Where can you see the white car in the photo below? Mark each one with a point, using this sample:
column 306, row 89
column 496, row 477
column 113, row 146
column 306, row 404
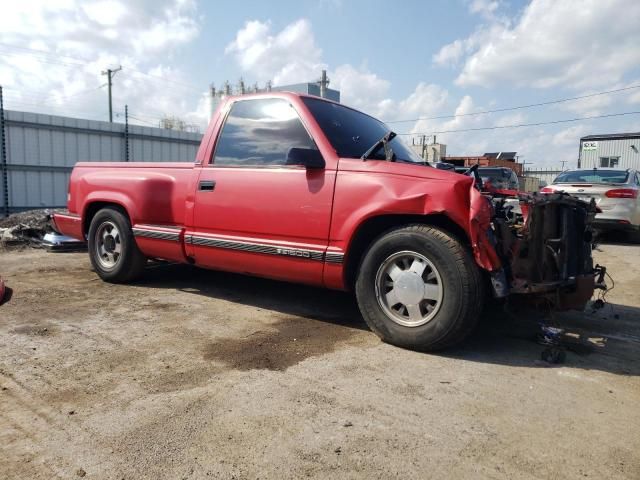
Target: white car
column 615, row 191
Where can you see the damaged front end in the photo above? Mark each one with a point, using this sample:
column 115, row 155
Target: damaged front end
column 544, row 243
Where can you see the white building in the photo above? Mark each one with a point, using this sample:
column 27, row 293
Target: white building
column 619, row 150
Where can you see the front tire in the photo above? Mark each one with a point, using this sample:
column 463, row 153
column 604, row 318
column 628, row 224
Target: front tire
column 418, row 287
column 113, row 251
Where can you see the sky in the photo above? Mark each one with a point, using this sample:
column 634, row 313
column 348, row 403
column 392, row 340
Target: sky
column 404, row 62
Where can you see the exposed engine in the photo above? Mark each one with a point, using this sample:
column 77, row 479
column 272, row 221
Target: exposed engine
column 545, row 244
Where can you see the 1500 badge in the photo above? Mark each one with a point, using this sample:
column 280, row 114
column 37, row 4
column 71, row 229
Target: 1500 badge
column 293, row 253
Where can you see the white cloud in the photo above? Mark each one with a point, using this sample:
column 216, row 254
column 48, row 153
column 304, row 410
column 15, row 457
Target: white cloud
column 68, row 43
column 486, row 8
column 588, row 106
column 292, row 56
column 450, row 54
column 107, row 12
column 289, row 56
column 577, row 43
column 634, row 98
column 361, row 89
column 568, row 136
column 511, row 119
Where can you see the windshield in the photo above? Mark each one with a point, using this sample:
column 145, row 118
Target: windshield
column 352, row 133
column 593, row 176
column 500, row 177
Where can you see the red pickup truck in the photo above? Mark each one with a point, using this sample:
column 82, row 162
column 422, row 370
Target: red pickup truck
column 301, row 189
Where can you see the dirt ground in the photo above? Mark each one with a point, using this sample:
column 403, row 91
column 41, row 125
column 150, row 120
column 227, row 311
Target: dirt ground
column 198, row 374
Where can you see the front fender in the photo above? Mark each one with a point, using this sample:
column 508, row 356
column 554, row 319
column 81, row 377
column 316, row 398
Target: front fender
column 480, row 213
column 361, row 196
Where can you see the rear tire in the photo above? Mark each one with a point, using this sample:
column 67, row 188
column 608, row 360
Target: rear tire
column 113, row 251
column 416, row 260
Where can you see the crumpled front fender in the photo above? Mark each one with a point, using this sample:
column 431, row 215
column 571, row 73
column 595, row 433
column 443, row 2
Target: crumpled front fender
column 480, row 233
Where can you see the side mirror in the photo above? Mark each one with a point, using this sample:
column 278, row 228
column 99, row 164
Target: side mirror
column 310, row 158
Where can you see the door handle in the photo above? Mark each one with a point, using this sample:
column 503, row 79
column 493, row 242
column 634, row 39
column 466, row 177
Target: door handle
column 207, row 185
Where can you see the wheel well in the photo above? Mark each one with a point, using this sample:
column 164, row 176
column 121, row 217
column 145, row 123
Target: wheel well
column 94, row 208
column 372, row 228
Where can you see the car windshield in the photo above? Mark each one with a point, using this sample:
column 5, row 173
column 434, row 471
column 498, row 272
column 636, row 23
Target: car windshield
column 352, row 133
column 593, row 176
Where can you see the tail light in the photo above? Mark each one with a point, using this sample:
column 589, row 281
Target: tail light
column 546, row 190
column 622, row 193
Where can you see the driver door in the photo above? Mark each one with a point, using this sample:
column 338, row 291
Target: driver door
column 255, row 212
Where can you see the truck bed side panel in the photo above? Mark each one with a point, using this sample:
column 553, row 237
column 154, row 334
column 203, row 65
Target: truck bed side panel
column 156, row 197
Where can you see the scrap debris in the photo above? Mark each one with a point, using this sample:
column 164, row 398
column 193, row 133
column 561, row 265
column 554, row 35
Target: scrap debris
column 33, row 228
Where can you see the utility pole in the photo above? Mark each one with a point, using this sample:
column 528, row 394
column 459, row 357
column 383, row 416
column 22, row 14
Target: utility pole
column 110, row 73
column 563, row 162
column 518, row 157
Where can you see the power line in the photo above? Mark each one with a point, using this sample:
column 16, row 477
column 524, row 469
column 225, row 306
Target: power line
column 45, row 52
column 143, row 121
column 43, row 60
column 551, row 122
column 507, row 109
column 52, row 98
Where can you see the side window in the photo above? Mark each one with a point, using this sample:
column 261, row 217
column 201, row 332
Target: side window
column 260, row 132
column 609, row 162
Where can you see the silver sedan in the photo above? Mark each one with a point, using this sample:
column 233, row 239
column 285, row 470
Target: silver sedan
column 615, row 191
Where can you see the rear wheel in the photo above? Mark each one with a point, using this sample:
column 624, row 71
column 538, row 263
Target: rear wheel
column 114, row 254
column 419, row 288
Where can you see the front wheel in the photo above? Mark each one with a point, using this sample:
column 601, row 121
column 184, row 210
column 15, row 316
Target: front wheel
column 418, row 287
column 113, row 251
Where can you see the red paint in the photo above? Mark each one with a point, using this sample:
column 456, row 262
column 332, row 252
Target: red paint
column 282, row 207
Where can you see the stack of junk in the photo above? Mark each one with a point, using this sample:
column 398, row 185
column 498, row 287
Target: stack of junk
column 33, row 228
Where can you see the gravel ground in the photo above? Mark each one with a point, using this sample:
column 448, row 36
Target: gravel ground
column 197, row 374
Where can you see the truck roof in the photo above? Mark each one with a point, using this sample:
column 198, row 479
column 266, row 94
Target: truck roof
column 280, row 94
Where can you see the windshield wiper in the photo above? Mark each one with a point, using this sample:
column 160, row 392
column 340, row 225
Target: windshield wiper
column 384, row 141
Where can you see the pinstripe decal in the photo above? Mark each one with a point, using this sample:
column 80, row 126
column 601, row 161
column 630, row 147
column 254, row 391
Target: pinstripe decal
column 140, row 231
column 334, row 257
column 286, row 251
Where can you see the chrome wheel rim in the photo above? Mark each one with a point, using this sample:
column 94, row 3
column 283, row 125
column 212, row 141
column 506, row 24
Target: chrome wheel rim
column 409, row 288
column 108, row 245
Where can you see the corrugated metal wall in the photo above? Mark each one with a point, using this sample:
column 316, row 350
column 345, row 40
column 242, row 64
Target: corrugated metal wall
column 629, row 157
column 543, row 174
column 42, row 149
